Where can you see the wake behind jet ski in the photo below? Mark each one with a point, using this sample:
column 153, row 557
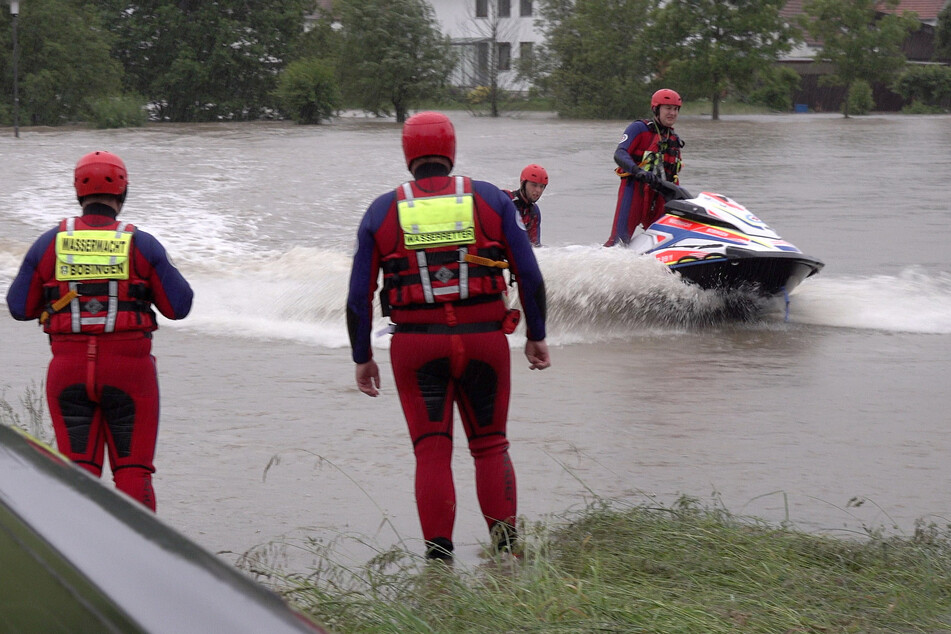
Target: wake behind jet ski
column 717, row 243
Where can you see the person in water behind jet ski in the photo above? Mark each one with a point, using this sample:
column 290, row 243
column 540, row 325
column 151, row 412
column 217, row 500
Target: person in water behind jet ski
column 533, row 181
column 648, row 153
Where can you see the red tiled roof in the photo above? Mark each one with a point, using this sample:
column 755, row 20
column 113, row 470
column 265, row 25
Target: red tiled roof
column 927, row 10
column 793, row 7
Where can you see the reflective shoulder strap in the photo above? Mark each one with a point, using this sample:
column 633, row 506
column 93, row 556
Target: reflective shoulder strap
column 70, row 228
column 424, row 276
column 463, row 273
column 120, row 229
column 113, row 309
column 75, row 309
column 408, row 194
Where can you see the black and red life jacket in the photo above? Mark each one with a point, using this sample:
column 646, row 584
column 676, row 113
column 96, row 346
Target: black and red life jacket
column 416, row 274
column 96, row 288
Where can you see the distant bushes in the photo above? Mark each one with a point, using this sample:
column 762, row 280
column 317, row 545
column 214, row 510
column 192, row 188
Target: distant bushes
column 774, row 89
column 927, row 87
column 122, row 111
column 307, row 91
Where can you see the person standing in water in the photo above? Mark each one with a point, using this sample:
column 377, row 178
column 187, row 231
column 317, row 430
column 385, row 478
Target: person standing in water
column 92, row 281
column 443, row 243
column 648, row 153
column 533, row 181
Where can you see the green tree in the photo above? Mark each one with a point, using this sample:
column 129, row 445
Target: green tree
column 942, row 35
column 64, row 61
column 393, row 53
column 714, row 47
column 307, row 90
column 320, row 39
column 198, row 61
column 858, row 40
column 600, row 59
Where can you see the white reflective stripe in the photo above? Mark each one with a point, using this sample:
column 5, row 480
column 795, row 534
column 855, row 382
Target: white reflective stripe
column 424, row 277
column 460, row 189
column 408, row 193
column 113, row 306
column 119, row 231
column 77, row 321
column 446, row 290
column 70, row 228
column 463, row 273
column 74, row 313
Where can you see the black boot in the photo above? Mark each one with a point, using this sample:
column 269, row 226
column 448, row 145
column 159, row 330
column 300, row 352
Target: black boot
column 439, row 548
column 504, row 538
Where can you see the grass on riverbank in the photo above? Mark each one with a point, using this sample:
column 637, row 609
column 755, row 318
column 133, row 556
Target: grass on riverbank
column 31, row 416
column 666, row 570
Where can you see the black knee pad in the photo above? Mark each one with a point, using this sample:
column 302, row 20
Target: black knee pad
column 77, row 411
column 479, row 383
column 118, row 409
column 433, row 379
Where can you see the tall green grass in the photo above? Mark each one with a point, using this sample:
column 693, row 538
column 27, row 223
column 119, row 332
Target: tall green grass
column 686, row 568
column 31, row 415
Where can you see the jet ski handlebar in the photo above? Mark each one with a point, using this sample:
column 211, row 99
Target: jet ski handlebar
column 671, row 191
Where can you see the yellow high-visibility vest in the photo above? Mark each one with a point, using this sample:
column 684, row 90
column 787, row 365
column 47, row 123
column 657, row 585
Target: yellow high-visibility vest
column 93, row 255
column 437, row 221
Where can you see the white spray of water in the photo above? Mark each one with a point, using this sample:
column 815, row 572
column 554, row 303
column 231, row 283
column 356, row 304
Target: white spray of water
column 594, row 294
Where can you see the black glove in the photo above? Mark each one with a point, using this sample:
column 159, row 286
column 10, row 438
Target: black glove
column 648, row 178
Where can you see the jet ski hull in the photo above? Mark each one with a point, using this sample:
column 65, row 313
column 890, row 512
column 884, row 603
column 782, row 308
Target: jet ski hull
column 716, row 243
column 764, row 274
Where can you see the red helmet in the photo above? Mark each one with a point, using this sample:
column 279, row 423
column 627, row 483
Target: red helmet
column 665, row 96
column 535, row 174
column 100, row 173
column 429, row 134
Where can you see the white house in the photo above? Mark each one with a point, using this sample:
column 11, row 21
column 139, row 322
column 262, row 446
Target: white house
column 491, row 35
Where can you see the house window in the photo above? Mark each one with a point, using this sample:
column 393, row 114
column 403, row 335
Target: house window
column 482, row 62
column 525, row 50
column 482, row 8
column 526, row 8
column 526, row 60
column 505, row 8
column 505, row 55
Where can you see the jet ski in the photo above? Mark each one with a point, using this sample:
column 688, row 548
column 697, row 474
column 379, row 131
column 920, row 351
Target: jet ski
column 713, row 241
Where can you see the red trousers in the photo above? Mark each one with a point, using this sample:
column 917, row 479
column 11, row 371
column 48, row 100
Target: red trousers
column 433, row 373
column 637, row 204
column 103, row 392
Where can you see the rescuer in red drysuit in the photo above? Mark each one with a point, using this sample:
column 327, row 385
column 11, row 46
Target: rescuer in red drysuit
column 442, row 243
column 649, row 152
column 92, row 281
column 533, row 181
